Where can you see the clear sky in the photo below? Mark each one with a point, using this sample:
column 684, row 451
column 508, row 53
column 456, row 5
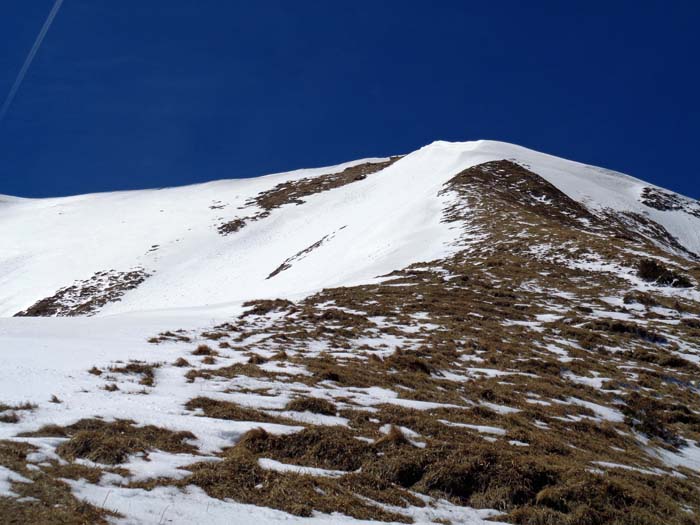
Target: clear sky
column 150, row 93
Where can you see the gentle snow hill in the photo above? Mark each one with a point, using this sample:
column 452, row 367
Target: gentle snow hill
column 354, row 233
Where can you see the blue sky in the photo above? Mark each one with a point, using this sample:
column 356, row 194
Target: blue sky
column 136, row 94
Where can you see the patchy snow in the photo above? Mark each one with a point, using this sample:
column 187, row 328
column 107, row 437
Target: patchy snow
column 603, row 412
column 606, row 464
column 501, row 409
column 548, row 318
column 193, row 505
column 161, row 464
column 444, row 511
column 311, row 418
column 687, row 456
column 7, row 476
column 374, row 395
column 479, row 428
column 271, row 464
column 595, row 382
column 199, row 278
column 412, row 436
column 563, row 354
column 488, row 372
column 41, row 357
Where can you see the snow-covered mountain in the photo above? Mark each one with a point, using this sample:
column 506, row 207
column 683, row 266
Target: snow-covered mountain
column 472, row 331
column 368, row 228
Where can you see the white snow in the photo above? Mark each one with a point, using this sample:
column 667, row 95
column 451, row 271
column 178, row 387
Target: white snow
column 7, row 476
column 390, row 221
column 412, row 436
column 271, row 464
column 501, row 409
column 603, row 412
column 170, row 505
column 41, row 357
column 595, row 382
column 607, row 464
column 687, row 456
column 479, row 428
column 162, row 465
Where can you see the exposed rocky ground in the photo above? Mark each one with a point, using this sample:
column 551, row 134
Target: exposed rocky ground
column 293, row 192
column 666, row 201
column 88, row 296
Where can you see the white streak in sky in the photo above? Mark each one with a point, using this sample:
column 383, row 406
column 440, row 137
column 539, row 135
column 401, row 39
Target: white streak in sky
column 29, row 59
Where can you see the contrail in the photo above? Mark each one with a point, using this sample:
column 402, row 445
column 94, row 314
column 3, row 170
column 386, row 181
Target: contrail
column 30, row 58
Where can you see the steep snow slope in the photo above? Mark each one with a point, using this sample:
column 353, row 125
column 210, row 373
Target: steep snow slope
column 378, row 225
column 368, row 228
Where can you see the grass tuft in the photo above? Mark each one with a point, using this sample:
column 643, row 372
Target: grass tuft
column 312, row 404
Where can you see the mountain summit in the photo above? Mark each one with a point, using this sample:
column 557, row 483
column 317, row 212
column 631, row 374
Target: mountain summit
column 470, row 333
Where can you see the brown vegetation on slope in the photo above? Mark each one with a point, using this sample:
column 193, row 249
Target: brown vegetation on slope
column 293, row 192
column 530, row 373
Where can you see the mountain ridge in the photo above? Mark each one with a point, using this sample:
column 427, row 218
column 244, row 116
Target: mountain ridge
column 162, row 220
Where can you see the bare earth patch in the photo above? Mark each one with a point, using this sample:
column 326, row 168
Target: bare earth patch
column 88, row 296
column 293, row 192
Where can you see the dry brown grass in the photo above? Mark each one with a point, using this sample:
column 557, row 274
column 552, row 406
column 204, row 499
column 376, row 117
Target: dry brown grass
column 240, row 477
column 113, row 442
column 50, row 502
column 9, row 417
column 655, row 272
column 170, row 336
column 181, row 362
column 394, row 437
column 231, row 226
column 88, row 296
column 141, row 368
column 214, row 336
column 230, row 372
column 323, row 447
column 481, row 302
column 530, row 485
column 228, row 410
column 8, row 413
column 265, row 306
column 312, row 404
column 205, row 350
column 256, row 359
column 18, row 407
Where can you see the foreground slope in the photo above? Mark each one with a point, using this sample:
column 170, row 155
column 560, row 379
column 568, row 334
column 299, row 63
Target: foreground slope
column 469, row 332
